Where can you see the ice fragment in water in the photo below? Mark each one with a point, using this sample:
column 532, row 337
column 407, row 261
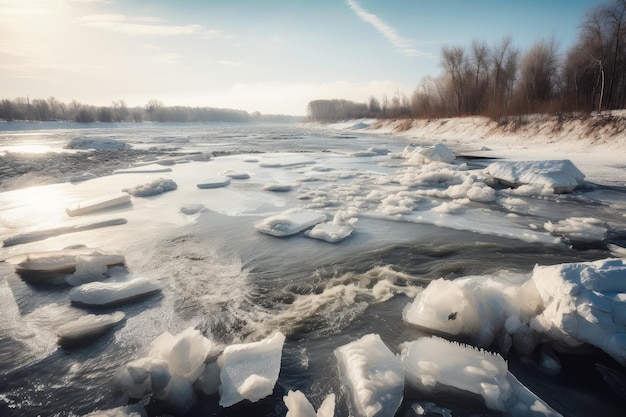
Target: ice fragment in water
column 112, row 293
column 432, row 363
column 289, row 222
column 249, row 371
column 87, row 328
column 373, row 376
column 299, row 406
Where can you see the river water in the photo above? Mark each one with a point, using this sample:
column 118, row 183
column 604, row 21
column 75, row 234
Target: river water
column 217, row 273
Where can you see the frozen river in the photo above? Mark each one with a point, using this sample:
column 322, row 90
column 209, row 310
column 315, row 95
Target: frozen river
column 414, row 220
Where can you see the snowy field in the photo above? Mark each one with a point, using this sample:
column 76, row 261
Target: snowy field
column 297, row 270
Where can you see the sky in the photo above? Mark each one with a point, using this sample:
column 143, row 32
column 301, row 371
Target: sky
column 256, row 55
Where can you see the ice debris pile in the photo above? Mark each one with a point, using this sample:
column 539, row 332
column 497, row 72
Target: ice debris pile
column 177, row 367
column 97, row 279
column 566, row 305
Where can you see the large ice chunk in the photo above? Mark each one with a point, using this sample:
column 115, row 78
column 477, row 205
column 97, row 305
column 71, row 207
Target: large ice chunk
column 373, row 376
column 99, row 203
column 567, row 305
column 87, row 328
column 438, row 152
column 112, row 293
column 487, row 309
column 579, row 229
column 584, row 302
column 249, row 371
column 560, row 175
column 299, row 406
column 432, row 363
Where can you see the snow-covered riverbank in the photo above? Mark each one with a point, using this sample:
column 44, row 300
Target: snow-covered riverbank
column 596, row 144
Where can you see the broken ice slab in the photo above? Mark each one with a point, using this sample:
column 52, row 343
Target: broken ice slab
column 154, row 187
column 86, row 329
column 112, row 293
column 373, row 376
column 57, row 231
column 250, row 370
column 289, row 222
column 236, row 175
column 432, row 364
column 214, row 182
column 298, row 405
column 99, row 203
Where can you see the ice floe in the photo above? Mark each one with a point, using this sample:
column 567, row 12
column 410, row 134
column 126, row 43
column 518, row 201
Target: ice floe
column 57, row 231
column 289, row 222
column 154, row 187
column 51, row 266
column 236, row 175
column 87, row 328
column 112, row 293
column 434, row 364
column 340, row 228
column 578, row 229
column 372, row 375
column 214, row 182
column 249, row 371
column 559, row 175
column 96, row 204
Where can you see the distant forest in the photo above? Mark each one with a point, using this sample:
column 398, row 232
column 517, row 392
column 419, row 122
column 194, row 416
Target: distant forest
column 500, row 80
column 52, row 109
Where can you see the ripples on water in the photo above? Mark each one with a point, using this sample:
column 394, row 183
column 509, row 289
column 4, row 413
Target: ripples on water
column 237, row 285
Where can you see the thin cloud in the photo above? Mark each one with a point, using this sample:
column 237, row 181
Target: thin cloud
column 147, row 26
column 230, row 63
column 399, row 43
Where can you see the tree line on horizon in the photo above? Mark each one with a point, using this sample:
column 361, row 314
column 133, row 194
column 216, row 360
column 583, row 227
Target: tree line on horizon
column 51, row 109
column 500, row 80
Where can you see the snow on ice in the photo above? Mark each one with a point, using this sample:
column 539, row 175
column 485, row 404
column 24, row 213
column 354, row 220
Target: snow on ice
column 373, row 376
column 432, row 363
